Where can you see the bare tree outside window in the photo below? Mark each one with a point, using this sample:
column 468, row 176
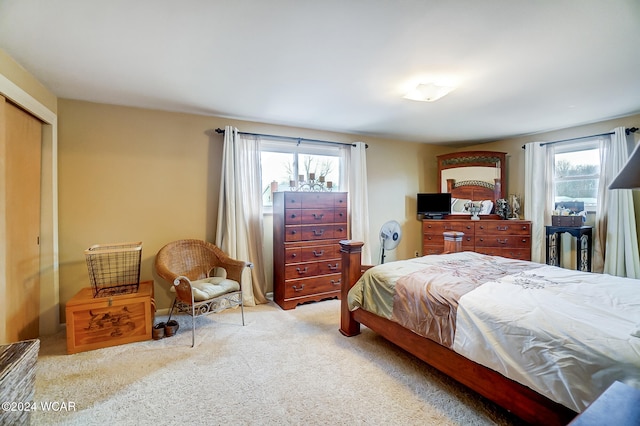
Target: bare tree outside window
column 577, row 175
column 284, row 171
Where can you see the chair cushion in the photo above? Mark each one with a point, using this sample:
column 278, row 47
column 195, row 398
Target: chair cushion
column 208, row 288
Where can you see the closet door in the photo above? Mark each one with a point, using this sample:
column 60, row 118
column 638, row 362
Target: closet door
column 22, row 157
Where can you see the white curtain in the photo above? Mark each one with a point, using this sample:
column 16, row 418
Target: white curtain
column 537, row 195
column 616, row 238
column 358, row 198
column 239, row 228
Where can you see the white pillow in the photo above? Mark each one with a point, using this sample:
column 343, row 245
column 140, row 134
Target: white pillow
column 219, row 271
column 457, row 205
column 209, row 288
column 487, row 205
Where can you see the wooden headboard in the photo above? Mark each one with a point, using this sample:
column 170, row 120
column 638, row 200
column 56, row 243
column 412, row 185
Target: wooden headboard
column 475, row 190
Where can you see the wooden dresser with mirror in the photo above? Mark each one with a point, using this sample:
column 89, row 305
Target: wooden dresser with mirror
column 477, row 176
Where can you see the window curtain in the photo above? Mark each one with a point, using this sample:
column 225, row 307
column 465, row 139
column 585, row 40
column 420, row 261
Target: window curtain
column 358, row 198
column 537, row 195
column 239, row 228
column 616, row 241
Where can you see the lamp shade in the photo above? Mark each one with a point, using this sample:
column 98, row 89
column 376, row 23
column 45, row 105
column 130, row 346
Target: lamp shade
column 629, row 176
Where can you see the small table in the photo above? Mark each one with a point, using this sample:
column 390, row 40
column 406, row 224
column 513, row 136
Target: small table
column 584, row 238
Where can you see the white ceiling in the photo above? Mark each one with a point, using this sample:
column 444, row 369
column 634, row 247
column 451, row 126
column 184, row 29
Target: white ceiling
column 523, row 66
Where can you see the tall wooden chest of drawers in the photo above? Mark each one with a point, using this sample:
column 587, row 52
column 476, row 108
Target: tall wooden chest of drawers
column 307, row 228
column 506, row 238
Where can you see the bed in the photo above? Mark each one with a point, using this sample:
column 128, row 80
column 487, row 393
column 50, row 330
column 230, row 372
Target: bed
column 520, row 352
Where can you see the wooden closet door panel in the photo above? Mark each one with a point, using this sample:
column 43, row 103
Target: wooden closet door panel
column 23, row 169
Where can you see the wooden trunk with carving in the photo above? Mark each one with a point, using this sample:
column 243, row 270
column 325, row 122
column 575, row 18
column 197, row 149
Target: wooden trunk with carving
column 307, row 228
column 100, row 322
column 506, row 238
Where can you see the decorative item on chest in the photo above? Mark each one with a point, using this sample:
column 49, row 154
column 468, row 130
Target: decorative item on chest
column 474, row 208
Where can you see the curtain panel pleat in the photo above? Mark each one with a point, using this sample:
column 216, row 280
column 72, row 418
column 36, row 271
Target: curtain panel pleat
column 240, row 227
column 617, row 227
column 358, row 198
column 537, row 196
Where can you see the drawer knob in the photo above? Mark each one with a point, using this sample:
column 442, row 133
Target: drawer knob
column 318, row 216
column 294, row 232
column 296, row 288
column 333, row 267
column 302, row 271
column 294, row 254
column 318, row 233
column 502, row 228
column 316, row 254
column 335, row 282
column 505, row 241
column 293, row 216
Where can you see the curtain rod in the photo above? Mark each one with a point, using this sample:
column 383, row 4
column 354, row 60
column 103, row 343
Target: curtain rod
column 627, row 131
column 290, row 138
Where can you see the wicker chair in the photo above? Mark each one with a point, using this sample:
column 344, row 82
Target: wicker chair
column 194, row 267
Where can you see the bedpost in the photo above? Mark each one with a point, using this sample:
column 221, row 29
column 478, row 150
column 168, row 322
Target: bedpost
column 351, row 252
column 450, row 185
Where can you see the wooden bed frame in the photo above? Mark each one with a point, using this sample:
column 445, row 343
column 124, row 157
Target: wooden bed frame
column 522, row 401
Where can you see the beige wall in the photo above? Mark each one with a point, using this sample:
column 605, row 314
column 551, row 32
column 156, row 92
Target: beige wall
column 128, row 174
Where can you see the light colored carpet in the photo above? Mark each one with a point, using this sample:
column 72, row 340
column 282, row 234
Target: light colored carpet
column 283, row 368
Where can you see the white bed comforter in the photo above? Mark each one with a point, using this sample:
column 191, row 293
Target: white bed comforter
column 566, row 334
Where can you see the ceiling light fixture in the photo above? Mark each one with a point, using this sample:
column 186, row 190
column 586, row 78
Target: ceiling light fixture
column 428, row 92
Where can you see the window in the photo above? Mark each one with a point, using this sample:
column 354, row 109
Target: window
column 288, row 165
column 577, row 174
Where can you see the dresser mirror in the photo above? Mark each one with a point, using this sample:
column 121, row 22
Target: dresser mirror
column 475, row 176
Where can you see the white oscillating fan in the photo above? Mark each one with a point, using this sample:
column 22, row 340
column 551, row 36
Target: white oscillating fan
column 390, row 235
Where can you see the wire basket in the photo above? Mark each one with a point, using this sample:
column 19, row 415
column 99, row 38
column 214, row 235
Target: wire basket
column 114, row 268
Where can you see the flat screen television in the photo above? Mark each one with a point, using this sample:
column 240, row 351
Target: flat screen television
column 434, row 205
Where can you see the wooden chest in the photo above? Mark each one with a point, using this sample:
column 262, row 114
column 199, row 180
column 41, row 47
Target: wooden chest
column 307, row 227
column 100, row 322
